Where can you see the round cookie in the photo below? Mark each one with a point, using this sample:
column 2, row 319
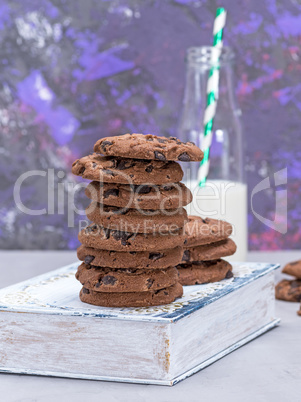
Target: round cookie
column 204, row 272
column 127, row 171
column 132, row 299
column 101, row 238
column 132, row 220
column 293, row 268
column 289, row 290
column 168, row 196
column 149, row 146
column 201, row 231
column 134, row 259
column 125, row 280
column 208, row 252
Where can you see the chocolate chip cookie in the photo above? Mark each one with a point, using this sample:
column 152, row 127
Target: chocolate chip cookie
column 140, row 146
column 289, row 290
column 101, row 238
column 293, row 268
column 125, row 280
column 201, row 231
column 204, row 272
column 134, row 259
column 133, row 220
column 207, row 252
column 166, row 196
column 127, row 171
column 132, row 299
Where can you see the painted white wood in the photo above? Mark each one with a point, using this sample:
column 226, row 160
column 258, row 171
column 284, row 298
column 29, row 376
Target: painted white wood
column 45, row 329
column 174, row 381
column 84, row 346
column 225, row 352
column 220, row 325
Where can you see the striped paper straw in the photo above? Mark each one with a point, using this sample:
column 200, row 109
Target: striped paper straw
column 212, row 93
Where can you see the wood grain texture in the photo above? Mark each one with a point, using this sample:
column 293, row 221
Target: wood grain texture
column 84, row 346
column 200, row 336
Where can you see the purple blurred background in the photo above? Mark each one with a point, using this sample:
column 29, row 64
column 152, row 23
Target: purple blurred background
column 73, row 71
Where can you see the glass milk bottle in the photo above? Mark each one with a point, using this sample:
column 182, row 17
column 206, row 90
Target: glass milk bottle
column 225, row 194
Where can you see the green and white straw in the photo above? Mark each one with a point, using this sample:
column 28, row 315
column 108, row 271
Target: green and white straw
column 212, row 92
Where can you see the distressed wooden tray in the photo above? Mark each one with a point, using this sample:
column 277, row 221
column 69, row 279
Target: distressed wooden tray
column 46, row 330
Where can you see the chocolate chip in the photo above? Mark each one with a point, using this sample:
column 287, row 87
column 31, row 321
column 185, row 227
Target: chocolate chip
column 150, row 139
column 109, row 280
column 123, row 237
column 94, row 165
column 176, row 140
column 155, row 256
column 167, row 188
column 89, row 259
column 90, row 229
column 125, row 242
column 81, row 170
column 104, row 144
column 149, row 283
column 109, row 172
column 186, row 255
column 159, row 156
column 166, row 293
column 106, row 232
column 133, row 252
column 149, row 168
column 143, row 189
column 161, row 140
column 86, row 291
column 122, row 164
column 184, row 157
column 229, row 275
column 112, row 191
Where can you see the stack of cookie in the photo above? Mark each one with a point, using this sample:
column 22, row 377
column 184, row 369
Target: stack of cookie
column 290, row 289
column 136, row 238
column 207, row 242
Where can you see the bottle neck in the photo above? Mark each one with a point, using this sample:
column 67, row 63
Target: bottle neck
column 226, row 152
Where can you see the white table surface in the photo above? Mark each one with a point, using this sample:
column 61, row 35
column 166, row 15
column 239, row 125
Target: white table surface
column 266, row 369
